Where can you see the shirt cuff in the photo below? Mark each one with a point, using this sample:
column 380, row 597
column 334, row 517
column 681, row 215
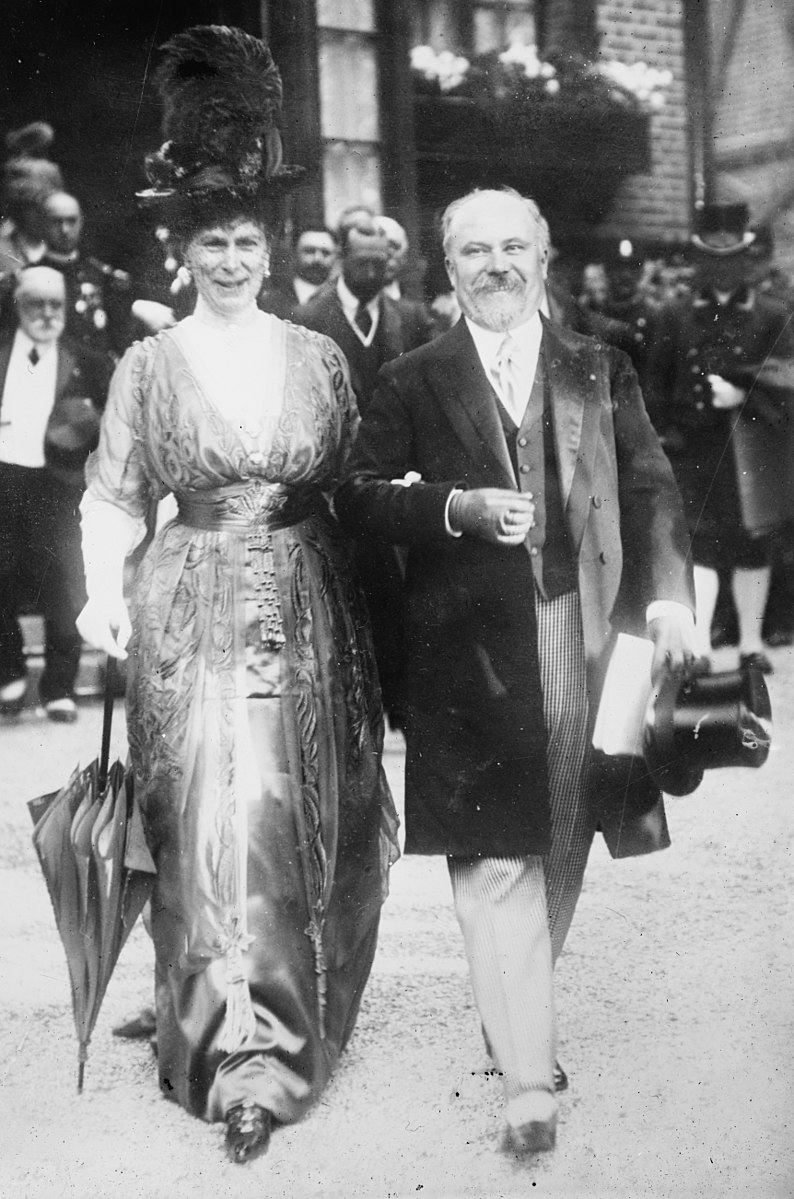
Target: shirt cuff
column 452, row 532
column 662, row 608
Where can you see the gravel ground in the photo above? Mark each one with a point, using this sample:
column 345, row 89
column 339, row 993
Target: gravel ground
column 675, row 1005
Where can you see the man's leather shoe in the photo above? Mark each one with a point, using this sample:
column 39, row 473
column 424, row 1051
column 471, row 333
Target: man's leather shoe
column 779, row 637
column 758, row 659
column 248, row 1128
column 560, row 1078
column 531, row 1123
column 139, row 1027
column 64, row 710
column 12, row 696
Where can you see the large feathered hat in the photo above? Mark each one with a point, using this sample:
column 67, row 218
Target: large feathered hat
column 221, row 94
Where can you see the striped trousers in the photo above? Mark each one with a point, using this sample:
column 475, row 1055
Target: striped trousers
column 515, row 913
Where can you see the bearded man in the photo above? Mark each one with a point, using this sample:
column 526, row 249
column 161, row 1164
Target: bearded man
column 545, row 518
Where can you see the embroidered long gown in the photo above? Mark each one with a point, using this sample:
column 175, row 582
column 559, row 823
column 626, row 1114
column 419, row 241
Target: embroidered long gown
column 253, row 709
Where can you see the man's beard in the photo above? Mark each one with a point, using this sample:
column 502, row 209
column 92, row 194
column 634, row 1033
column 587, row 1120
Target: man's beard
column 315, row 273
column 499, row 307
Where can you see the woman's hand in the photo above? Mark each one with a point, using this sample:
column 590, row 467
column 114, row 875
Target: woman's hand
column 495, row 514
column 105, row 624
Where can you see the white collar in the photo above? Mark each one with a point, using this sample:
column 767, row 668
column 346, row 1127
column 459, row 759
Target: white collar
column 64, row 259
column 304, row 290
column 488, row 341
column 24, row 344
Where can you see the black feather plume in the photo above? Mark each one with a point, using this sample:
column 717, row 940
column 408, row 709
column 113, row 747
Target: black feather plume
column 221, row 94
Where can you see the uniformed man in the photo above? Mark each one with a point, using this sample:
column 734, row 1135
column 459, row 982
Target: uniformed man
column 718, row 388
column 626, row 316
column 98, row 297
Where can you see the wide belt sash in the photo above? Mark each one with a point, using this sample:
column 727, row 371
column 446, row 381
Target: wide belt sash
column 249, row 505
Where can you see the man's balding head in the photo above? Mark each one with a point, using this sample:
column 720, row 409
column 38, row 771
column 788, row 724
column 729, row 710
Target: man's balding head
column 397, row 240
column 365, row 255
column 63, row 222
column 40, row 298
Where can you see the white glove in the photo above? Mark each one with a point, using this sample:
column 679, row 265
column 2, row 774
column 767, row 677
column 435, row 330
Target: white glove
column 725, row 395
column 105, row 624
column 109, row 534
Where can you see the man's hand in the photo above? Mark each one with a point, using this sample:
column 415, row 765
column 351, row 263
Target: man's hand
column 105, row 625
column 723, row 394
column 500, row 516
column 674, row 646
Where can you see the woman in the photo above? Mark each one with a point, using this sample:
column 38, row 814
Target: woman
column 253, row 711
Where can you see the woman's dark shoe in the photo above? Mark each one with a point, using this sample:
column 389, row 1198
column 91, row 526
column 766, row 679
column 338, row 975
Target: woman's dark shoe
column 138, row 1027
column 248, row 1128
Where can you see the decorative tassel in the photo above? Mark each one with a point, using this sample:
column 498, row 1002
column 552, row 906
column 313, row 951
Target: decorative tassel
column 315, row 934
column 239, row 1023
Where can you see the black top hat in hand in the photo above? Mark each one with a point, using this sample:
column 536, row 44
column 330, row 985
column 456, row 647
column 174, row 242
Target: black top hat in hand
column 700, row 721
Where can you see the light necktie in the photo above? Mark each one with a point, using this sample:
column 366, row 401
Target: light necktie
column 363, row 319
column 505, row 374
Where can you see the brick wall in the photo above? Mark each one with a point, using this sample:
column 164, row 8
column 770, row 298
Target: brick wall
column 754, row 114
column 653, row 207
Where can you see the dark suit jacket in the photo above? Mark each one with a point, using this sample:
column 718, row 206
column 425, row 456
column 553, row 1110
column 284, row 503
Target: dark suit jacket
column 81, row 386
column 476, row 777
column 401, row 329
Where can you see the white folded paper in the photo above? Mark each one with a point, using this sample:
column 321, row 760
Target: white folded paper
column 624, row 700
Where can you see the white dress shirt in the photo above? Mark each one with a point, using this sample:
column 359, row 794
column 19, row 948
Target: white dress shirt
column 525, row 339
column 28, row 401
column 350, row 305
column 303, row 289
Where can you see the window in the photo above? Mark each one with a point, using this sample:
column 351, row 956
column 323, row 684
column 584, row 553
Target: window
column 475, row 26
column 499, row 23
column 348, row 104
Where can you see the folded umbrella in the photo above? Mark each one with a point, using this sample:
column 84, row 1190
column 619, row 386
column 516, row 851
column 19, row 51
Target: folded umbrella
column 97, row 871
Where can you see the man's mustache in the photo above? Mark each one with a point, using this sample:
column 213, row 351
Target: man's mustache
column 496, row 283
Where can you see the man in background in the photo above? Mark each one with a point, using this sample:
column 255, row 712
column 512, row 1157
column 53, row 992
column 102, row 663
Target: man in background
column 370, row 328
column 52, row 392
column 313, row 260
column 412, row 311
column 98, row 299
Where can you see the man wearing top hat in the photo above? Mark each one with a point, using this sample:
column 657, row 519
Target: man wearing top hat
column 719, row 386
column 51, row 394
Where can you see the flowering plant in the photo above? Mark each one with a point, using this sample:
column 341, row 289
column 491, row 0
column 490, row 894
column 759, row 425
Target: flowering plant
column 518, row 74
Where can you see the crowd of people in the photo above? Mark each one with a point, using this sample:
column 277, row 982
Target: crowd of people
column 440, row 510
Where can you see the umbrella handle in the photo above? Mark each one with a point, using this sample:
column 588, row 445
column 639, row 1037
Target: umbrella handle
column 107, row 721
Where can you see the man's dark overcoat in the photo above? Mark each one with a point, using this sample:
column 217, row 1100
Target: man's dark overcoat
column 476, row 774
column 402, row 327
column 733, row 466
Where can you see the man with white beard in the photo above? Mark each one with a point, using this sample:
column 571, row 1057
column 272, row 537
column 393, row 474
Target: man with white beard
column 516, row 462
